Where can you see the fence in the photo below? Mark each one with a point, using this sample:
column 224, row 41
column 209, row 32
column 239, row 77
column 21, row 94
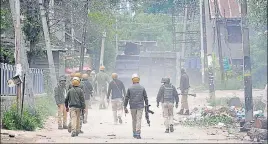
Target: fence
column 9, row 71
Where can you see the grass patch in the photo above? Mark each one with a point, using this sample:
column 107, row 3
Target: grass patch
column 29, row 121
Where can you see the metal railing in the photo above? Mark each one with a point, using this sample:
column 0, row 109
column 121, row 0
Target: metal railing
column 8, row 71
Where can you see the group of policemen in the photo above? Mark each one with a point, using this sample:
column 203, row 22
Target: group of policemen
column 76, row 99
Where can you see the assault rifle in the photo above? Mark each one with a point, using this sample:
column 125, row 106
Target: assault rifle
column 147, row 111
column 194, row 95
column 83, row 116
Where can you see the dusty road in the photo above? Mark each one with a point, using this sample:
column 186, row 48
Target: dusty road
column 100, row 128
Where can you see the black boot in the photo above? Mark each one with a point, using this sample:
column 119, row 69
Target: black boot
column 187, row 112
column 138, row 136
column 167, row 131
column 171, row 128
column 180, row 112
column 120, row 120
column 134, row 134
column 74, row 134
column 60, row 127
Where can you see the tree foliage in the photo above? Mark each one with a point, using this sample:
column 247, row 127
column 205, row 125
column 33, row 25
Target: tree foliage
column 258, row 41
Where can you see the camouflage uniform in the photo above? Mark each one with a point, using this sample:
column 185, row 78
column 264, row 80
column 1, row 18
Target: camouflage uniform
column 102, row 80
column 136, row 96
column 167, row 95
column 118, row 89
column 76, row 101
column 60, row 94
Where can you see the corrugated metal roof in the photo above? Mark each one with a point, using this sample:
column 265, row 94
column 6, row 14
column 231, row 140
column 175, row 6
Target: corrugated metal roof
column 227, row 8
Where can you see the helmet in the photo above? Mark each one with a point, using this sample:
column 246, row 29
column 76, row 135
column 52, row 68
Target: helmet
column 102, row 67
column 135, row 78
column 77, row 75
column 165, row 80
column 62, row 78
column 183, row 70
column 114, row 75
column 72, row 74
column 85, row 76
column 92, row 73
column 76, row 81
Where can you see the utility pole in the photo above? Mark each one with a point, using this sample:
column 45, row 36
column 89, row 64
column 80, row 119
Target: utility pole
column 246, row 64
column 116, row 36
column 84, row 40
column 102, row 48
column 218, row 34
column 17, row 47
column 183, row 45
column 48, row 47
column 203, row 42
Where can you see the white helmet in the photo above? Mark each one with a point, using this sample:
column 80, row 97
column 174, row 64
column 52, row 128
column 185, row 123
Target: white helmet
column 135, row 76
column 76, row 78
column 92, row 73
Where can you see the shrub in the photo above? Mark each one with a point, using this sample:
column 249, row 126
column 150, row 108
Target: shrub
column 27, row 121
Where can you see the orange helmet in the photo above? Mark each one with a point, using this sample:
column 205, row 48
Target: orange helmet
column 85, row 76
column 114, row 75
column 77, row 75
column 76, row 81
column 102, row 67
column 72, row 75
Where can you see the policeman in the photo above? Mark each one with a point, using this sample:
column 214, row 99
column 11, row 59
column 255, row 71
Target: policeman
column 77, row 75
column 92, row 81
column 136, row 96
column 60, row 94
column 118, row 93
column 75, row 102
column 88, row 93
column 167, row 95
column 184, row 87
column 102, row 80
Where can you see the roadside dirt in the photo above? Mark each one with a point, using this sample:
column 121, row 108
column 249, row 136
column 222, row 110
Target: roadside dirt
column 100, row 128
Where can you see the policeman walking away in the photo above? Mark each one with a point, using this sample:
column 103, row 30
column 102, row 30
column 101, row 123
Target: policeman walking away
column 184, row 87
column 136, row 96
column 76, row 102
column 102, row 80
column 118, row 93
column 88, row 94
column 60, row 94
column 167, row 95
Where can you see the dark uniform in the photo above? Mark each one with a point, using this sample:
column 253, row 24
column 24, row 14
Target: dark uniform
column 88, row 88
column 60, row 94
column 76, row 101
column 167, row 95
column 118, row 92
column 136, row 96
column 184, row 87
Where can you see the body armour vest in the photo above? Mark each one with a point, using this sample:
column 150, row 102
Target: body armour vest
column 168, row 93
column 136, row 97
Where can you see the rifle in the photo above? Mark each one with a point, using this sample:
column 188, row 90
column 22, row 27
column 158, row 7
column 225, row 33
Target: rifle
column 147, row 111
column 194, row 95
column 83, row 116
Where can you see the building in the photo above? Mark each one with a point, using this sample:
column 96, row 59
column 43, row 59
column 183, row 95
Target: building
column 229, row 21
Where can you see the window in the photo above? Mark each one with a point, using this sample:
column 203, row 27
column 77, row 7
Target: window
column 234, row 34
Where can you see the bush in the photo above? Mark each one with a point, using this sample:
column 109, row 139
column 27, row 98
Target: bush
column 28, row 121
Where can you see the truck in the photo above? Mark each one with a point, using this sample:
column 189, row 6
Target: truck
column 151, row 65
